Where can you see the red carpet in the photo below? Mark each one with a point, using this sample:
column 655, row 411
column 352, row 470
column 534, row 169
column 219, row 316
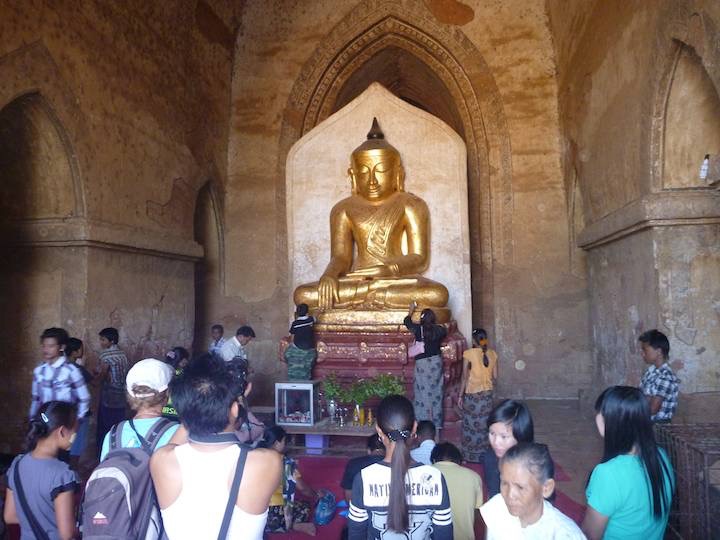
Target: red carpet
column 326, row 472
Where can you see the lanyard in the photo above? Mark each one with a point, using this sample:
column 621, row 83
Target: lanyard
column 214, row 438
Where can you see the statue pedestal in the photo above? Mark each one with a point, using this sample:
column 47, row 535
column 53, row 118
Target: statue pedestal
column 372, row 321
column 360, row 354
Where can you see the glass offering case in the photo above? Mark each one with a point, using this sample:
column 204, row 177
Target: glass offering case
column 297, row 403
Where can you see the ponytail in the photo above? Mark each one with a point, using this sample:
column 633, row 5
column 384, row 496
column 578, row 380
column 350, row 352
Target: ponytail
column 397, row 519
column 396, row 418
column 478, row 335
column 51, row 416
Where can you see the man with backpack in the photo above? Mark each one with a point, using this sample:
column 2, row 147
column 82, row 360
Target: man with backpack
column 192, row 480
column 119, row 499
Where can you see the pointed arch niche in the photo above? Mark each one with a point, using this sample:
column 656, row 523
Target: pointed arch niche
column 433, row 67
column 692, row 120
column 37, row 184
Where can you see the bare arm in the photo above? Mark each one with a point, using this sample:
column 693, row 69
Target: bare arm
column 594, row 524
column 165, row 472
column 655, row 403
column 10, row 513
column 463, row 381
column 65, row 514
column 305, row 488
column 260, row 480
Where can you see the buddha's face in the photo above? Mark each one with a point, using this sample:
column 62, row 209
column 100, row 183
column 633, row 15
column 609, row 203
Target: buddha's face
column 376, row 174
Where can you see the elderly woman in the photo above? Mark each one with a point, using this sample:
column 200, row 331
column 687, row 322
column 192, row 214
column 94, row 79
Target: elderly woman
column 520, row 509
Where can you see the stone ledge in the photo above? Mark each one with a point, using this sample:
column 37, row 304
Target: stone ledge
column 663, row 209
column 59, row 232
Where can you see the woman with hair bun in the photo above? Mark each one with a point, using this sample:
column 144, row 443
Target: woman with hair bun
column 428, row 374
column 630, row 491
column 40, row 496
column 398, row 497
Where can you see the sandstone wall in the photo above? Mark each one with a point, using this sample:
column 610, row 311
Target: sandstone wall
column 533, row 294
column 134, row 97
column 638, row 97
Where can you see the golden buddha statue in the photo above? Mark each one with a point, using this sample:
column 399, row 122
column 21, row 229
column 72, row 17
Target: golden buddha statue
column 388, row 231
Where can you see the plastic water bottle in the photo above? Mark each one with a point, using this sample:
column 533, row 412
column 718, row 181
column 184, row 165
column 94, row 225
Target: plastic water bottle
column 704, row 167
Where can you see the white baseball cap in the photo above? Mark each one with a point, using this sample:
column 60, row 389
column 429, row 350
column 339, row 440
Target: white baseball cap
column 151, row 373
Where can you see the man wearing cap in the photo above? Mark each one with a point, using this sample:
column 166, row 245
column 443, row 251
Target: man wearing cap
column 147, row 393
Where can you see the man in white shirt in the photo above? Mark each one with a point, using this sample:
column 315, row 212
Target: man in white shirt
column 236, row 346
column 426, row 438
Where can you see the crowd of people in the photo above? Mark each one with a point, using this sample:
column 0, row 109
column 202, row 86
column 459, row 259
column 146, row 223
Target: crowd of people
column 216, row 471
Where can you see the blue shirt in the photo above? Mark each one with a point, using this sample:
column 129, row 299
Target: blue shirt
column 421, row 454
column 129, row 439
column 620, row 490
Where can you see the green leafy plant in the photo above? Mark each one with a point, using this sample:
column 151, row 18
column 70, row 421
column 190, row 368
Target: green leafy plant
column 333, row 389
column 364, row 389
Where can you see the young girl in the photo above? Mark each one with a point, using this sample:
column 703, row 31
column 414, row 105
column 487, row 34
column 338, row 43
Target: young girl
column 285, row 513
column 476, row 395
column 428, row 382
column 40, row 496
column 630, row 491
column 74, row 351
column 398, row 497
column 508, row 424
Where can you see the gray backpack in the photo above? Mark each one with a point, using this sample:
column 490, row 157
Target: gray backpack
column 119, row 501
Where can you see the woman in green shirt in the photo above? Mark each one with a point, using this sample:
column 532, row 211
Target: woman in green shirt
column 630, row 491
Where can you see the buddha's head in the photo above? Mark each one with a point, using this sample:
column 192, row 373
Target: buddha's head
column 376, row 171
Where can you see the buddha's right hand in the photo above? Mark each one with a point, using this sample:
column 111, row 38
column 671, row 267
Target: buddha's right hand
column 327, row 292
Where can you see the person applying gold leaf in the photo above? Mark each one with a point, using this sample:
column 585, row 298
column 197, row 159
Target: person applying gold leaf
column 388, row 228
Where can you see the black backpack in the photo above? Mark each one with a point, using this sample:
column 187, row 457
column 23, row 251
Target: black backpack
column 119, row 501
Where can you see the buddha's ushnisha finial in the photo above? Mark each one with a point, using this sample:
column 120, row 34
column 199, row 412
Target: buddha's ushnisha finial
column 375, row 140
column 375, row 131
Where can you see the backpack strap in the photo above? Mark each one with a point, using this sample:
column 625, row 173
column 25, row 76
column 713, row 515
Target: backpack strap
column 115, row 436
column 38, row 531
column 158, row 429
column 233, row 493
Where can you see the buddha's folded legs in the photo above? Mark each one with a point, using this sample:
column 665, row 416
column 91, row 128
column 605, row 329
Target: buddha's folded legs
column 379, row 293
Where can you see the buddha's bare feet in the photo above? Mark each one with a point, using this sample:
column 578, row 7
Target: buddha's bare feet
column 307, row 528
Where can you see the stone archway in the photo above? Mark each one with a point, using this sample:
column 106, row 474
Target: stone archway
column 374, row 27
column 37, row 185
column 31, row 70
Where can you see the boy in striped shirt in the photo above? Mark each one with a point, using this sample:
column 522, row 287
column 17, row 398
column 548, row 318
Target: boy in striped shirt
column 56, row 379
